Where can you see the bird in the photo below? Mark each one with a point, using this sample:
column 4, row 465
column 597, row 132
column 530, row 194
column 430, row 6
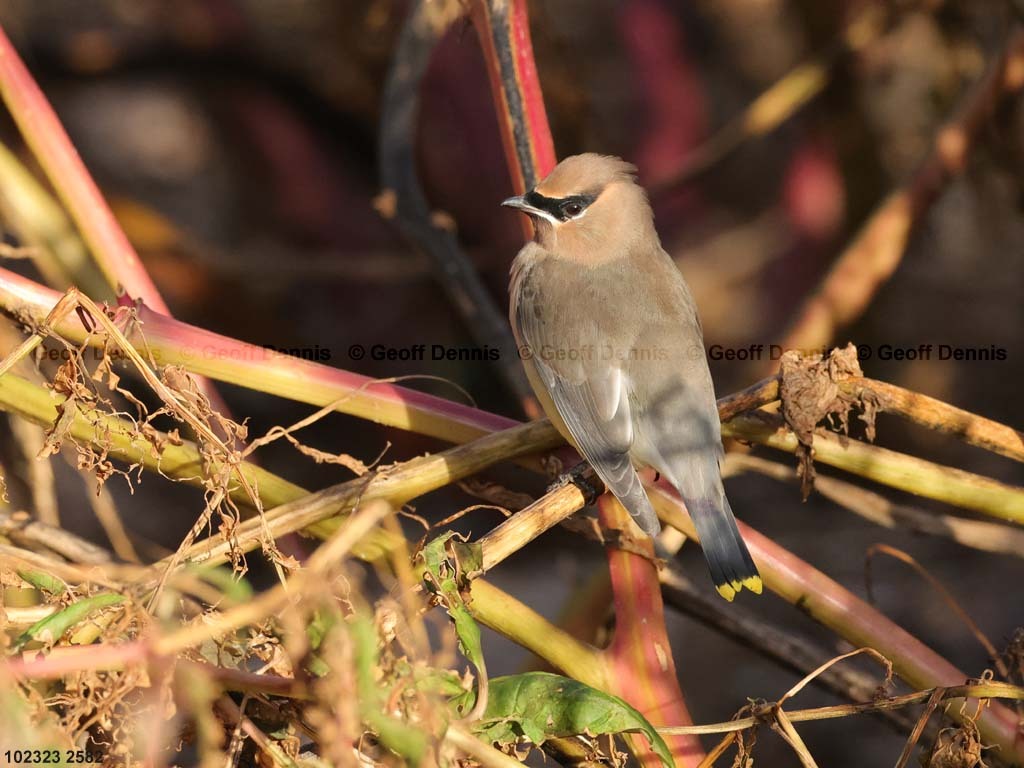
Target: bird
column 613, row 347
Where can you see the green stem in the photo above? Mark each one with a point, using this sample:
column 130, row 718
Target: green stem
column 896, row 470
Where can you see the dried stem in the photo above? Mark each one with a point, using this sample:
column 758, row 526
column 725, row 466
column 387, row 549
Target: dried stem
column 990, row 690
column 792, row 651
column 235, row 362
column 897, row 470
column 357, row 527
column 941, row 417
column 484, row 754
column 801, row 583
column 947, row 598
column 872, row 506
column 21, row 528
column 529, row 523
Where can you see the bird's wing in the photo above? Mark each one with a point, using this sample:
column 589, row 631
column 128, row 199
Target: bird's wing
column 591, row 395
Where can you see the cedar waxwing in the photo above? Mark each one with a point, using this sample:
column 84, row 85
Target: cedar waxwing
column 613, row 347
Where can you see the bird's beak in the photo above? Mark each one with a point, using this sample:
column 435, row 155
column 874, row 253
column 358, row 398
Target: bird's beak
column 519, row 201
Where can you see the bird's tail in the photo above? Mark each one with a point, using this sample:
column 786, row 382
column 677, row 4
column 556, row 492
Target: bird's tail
column 727, row 556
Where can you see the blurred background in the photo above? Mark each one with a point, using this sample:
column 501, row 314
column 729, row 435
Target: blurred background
column 237, row 142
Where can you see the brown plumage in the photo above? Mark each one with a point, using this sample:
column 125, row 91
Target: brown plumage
column 614, row 349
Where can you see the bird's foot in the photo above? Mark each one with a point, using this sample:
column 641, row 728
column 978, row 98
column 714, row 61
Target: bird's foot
column 581, row 476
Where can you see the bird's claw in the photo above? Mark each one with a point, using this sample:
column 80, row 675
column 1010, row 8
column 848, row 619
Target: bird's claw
column 578, row 476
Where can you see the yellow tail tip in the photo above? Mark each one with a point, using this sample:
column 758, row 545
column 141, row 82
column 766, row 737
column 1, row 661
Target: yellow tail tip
column 729, row 590
column 726, row 591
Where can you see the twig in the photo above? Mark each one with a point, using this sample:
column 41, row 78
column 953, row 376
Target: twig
column 122, row 440
column 38, row 474
column 233, row 713
column 522, row 625
column 38, row 218
column 51, row 146
column 529, row 523
column 800, row 583
column 717, row 751
column 825, row 666
column 988, row 690
column 897, row 470
column 397, row 484
column 941, row 417
column 944, row 593
column 435, row 416
column 69, row 659
column 792, row 651
column 205, row 353
column 226, row 359
column 919, row 726
column 21, row 528
column 104, row 575
column 915, row 407
column 872, row 506
column 252, row 683
column 467, row 293
column 753, row 397
column 103, row 505
column 784, row 726
column 331, row 552
column 640, row 654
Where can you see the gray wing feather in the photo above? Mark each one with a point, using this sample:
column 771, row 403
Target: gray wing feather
column 593, row 401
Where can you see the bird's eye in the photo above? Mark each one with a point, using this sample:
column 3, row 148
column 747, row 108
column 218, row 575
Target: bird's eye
column 572, row 209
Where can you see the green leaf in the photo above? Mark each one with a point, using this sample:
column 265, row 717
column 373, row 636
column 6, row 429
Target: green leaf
column 541, row 706
column 448, row 564
column 443, row 682
column 52, row 628
column 44, row 582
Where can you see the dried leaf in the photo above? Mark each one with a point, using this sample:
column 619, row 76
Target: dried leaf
column 323, row 457
column 810, row 393
column 956, row 748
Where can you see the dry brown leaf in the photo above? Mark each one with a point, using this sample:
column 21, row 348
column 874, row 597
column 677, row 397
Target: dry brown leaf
column 810, row 393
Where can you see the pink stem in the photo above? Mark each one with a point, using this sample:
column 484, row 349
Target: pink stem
column 643, row 670
column 237, row 362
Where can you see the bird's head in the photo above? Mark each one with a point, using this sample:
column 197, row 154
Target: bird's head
column 589, row 206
